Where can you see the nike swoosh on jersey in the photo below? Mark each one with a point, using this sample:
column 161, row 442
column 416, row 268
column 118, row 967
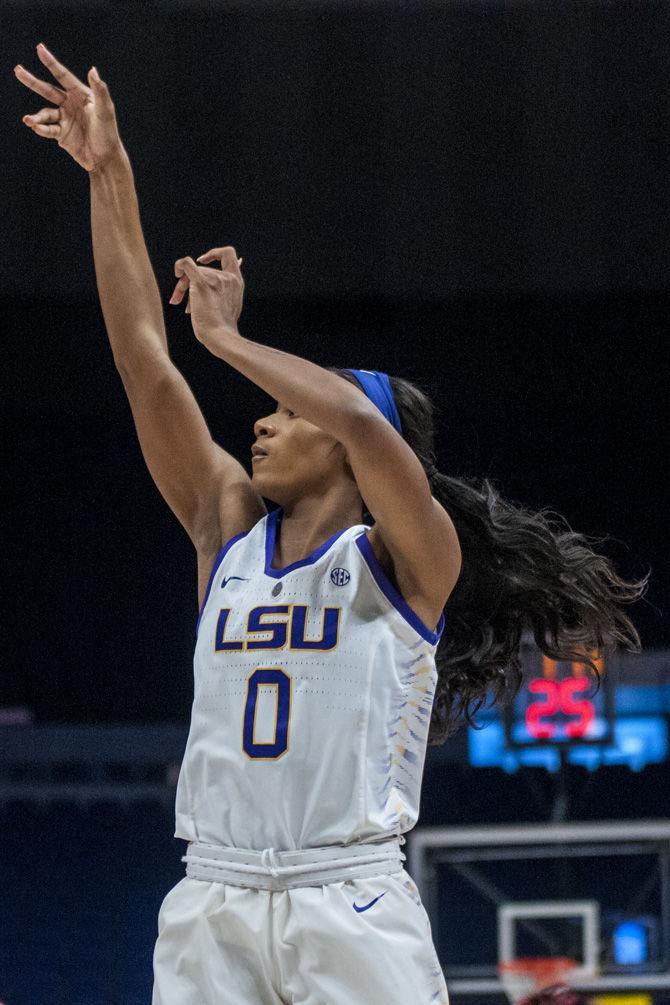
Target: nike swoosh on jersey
column 229, row 579
column 359, row 909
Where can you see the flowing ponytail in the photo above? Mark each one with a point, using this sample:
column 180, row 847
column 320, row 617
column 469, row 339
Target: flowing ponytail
column 522, row 571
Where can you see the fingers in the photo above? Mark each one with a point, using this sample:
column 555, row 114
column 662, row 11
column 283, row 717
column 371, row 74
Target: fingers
column 47, row 91
column 222, row 254
column 186, row 269
column 60, row 72
column 45, row 122
column 227, row 256
column 101, row 91
column 179, row 291
column 185, row 265
column 179, row 300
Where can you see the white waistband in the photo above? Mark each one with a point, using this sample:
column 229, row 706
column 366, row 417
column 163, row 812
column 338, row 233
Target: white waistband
column 271, row 869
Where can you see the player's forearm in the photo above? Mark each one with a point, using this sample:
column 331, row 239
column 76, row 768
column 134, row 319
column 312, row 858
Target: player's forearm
column 129, row 294
column 314, row 393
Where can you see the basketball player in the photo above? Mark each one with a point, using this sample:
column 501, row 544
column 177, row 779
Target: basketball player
column 315, row 671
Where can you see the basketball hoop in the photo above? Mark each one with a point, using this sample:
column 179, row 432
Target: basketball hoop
column 529, row 975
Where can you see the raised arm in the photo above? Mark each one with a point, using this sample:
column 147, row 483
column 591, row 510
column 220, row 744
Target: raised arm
column 208, row 490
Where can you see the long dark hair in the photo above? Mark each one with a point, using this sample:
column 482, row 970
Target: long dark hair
column 522, row 571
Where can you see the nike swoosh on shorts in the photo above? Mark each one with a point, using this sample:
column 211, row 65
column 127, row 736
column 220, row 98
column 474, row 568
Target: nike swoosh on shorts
column 359, row 909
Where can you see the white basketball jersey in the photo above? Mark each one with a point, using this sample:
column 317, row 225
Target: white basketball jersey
column 313, row 692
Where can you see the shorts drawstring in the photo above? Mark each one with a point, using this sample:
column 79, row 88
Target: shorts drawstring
column 272, row 864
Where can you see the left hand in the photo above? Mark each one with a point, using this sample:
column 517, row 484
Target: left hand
column 215, row 296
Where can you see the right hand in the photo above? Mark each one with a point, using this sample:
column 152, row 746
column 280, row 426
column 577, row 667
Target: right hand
column 84, row 121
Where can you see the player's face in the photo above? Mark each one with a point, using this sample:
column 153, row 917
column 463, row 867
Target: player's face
column 300, row 458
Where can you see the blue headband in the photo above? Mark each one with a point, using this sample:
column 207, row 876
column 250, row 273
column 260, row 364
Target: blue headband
column 377, row 387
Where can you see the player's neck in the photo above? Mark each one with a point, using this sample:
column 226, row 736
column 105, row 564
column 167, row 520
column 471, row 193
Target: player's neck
column 301, row 530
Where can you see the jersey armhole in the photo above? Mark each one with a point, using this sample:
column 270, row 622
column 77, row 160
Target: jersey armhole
column 393, row 596
column 217, row 562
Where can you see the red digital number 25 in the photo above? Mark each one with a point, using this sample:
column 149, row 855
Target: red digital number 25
column 559, row 696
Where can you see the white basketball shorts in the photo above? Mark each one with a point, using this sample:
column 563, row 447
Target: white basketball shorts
column 365, row 940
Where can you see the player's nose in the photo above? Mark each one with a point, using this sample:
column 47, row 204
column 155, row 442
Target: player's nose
column 264, row 427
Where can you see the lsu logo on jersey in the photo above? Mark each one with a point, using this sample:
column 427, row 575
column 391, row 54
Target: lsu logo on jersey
column 286, row 626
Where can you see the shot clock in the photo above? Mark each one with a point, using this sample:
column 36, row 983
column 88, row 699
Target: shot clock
column 559, row 703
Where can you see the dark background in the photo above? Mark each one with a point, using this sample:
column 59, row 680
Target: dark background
column 472, row 196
